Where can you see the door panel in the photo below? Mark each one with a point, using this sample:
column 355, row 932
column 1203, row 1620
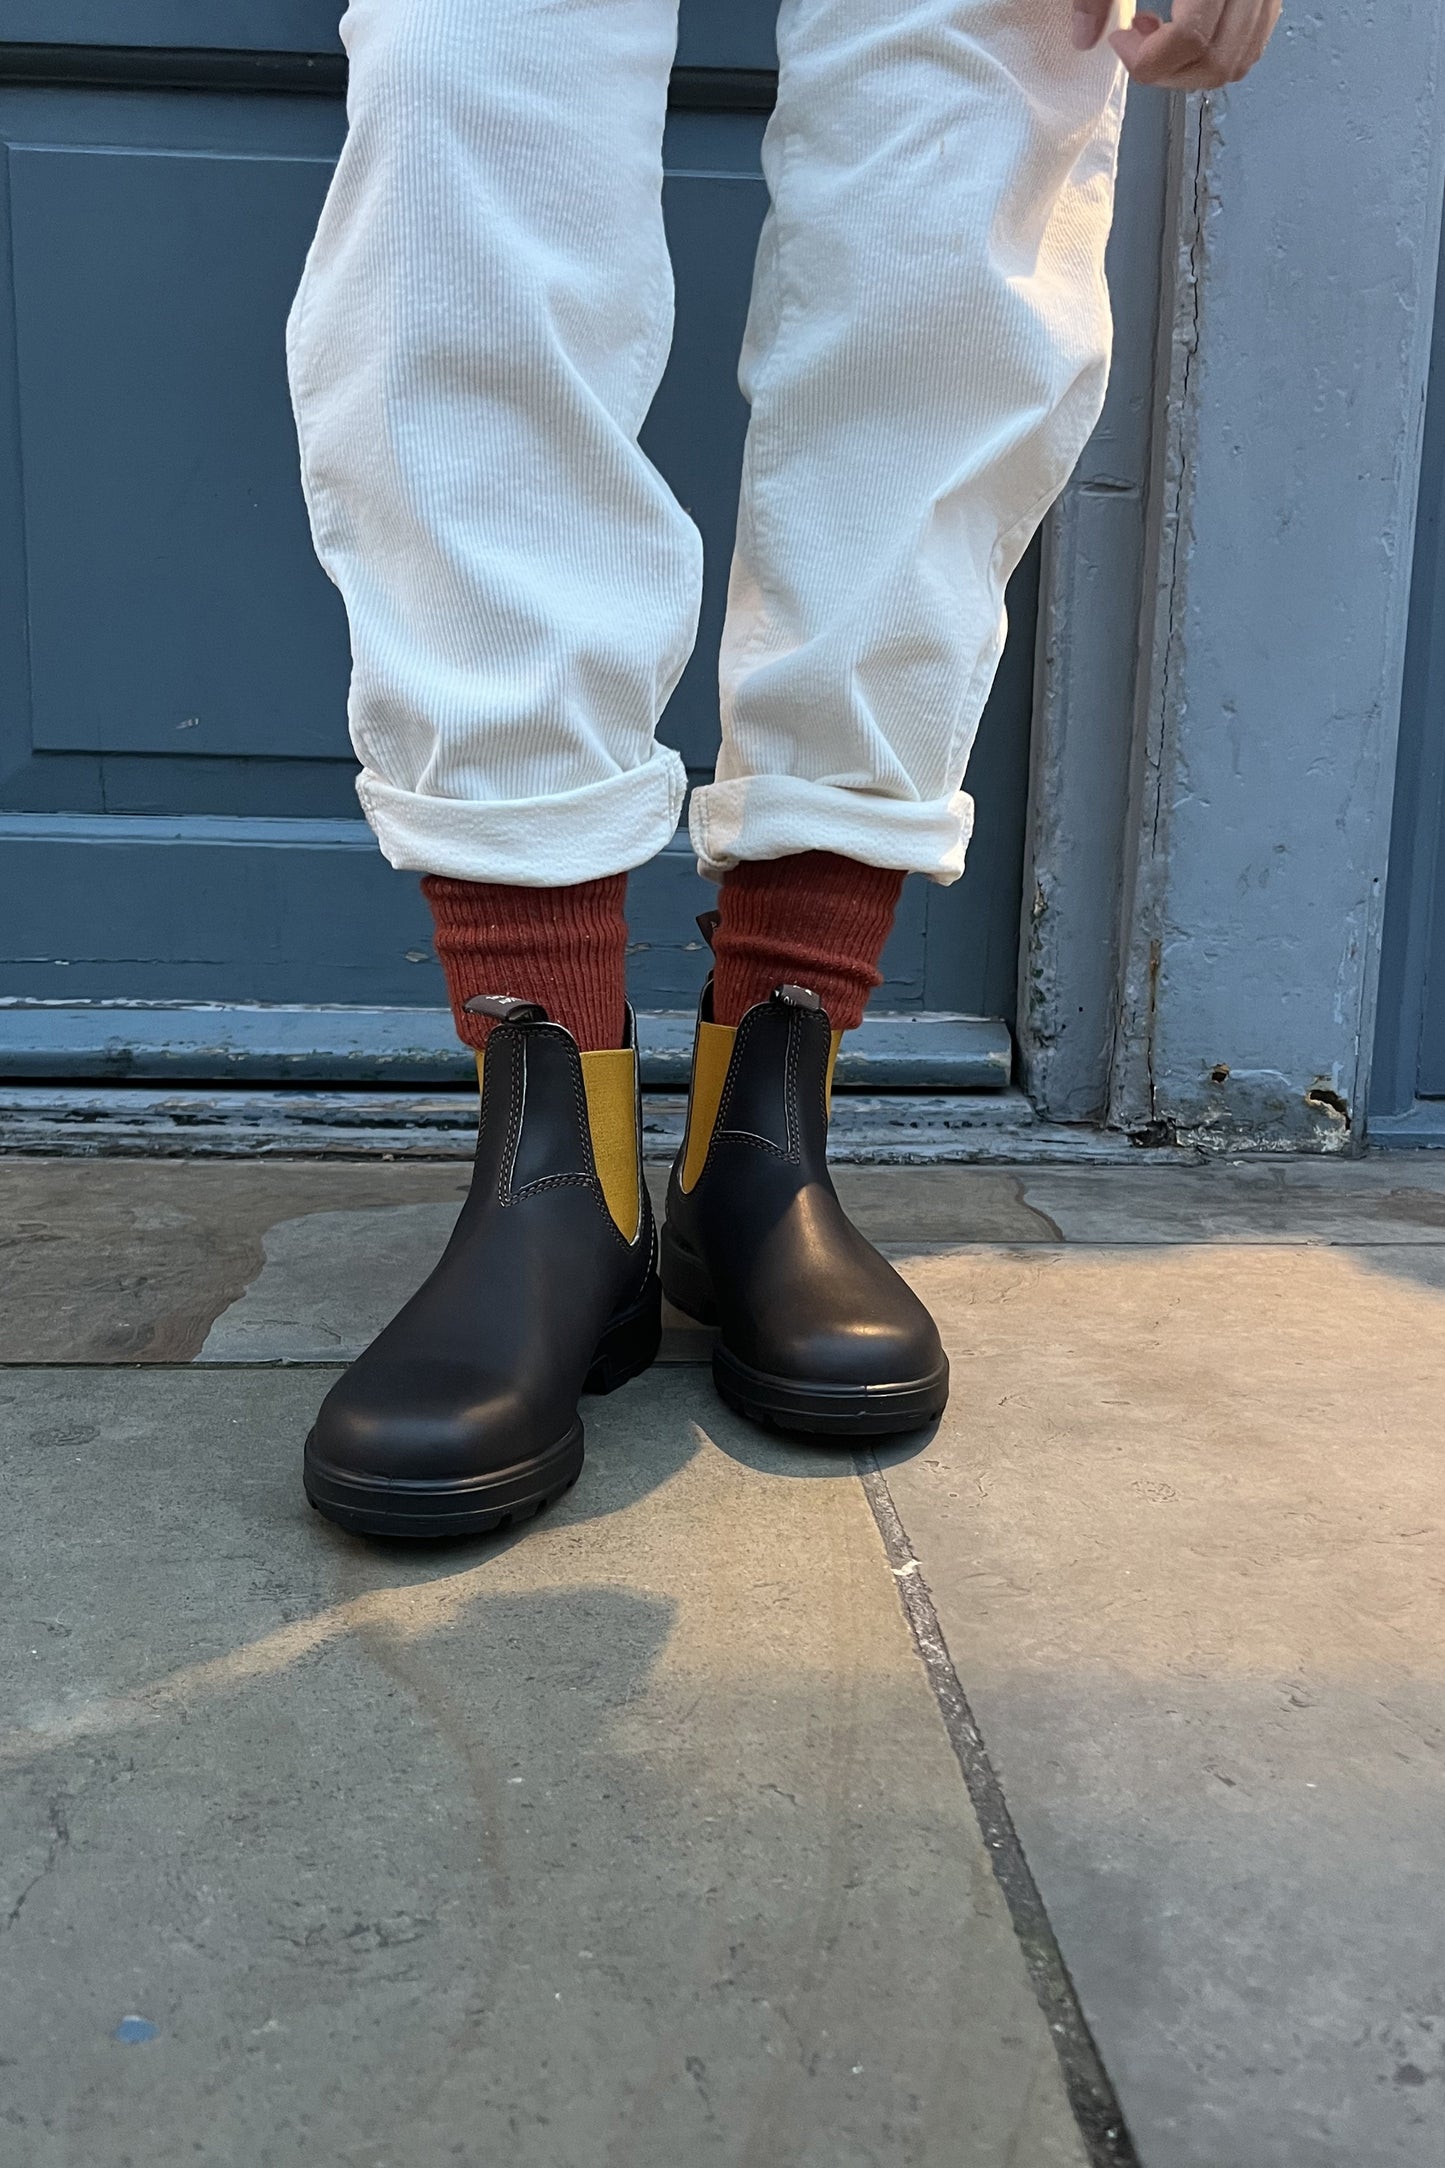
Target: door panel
column 135, row 273
column 739, row 35
column 178, row 821
column 714, row 199
column 168, row 643
column 281, row 26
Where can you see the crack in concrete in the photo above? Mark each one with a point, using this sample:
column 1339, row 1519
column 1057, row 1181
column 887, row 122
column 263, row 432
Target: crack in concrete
column 1092, row 2098
column 59, row 1842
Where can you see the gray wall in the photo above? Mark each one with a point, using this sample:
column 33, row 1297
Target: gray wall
column 1301, row 259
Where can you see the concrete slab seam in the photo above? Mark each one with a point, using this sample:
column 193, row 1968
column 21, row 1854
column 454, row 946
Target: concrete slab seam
column 1092, row 2098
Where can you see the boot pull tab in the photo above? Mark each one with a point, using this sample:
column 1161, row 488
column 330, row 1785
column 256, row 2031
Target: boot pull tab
column 797, row 997
column 708, row 923
column 504, row 1009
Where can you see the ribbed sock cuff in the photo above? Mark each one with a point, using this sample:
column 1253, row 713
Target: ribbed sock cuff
column 563, row 947
column 814, row 919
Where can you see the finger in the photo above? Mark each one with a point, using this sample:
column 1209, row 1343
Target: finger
column 1184, row 53
column 1176, row 56
column 1130, row 43
column 1236, row 44
column 1261, row 32
column 1203, row 47
column 1207, row 17
column 1089, row 18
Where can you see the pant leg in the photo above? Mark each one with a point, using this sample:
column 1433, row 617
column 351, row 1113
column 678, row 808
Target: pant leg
column 925, row 357
column 482, row 323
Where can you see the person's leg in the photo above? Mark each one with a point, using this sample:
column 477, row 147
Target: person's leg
column 563, row 947
column 815, row 918
column 482, row 324
column 926, row 355
column 484, row 318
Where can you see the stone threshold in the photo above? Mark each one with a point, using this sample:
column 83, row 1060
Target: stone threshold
column 869, row 1128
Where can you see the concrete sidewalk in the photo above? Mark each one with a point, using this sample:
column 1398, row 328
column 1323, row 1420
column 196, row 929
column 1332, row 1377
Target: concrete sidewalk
column 751, row 1807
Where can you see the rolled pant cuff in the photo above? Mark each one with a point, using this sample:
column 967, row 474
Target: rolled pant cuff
column 776, row 816
column 553, row 842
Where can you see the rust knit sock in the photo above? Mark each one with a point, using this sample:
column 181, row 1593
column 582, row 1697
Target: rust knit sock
column 816, row 920
column 564, row 947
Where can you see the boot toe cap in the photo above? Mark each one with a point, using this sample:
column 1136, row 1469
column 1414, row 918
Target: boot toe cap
column 861, row 1353
column 428, row 1422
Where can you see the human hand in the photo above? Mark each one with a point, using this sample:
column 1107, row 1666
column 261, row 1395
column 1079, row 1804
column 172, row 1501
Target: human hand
column 1205, row 43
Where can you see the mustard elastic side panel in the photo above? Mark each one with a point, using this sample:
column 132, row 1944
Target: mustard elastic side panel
column 833, row 1046
column 713, row 1052
column 610, row 1080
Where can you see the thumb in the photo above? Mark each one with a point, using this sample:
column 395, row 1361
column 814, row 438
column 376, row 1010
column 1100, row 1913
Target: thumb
column 1089, row 19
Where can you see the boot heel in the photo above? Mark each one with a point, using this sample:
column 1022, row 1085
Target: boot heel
column 685, row 1281
column 630, row 1344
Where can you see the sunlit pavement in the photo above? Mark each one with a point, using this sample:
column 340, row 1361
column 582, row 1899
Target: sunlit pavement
column 1075, row 1782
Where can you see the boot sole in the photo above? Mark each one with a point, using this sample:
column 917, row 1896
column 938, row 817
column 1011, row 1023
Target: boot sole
column 820, row 1410
column 812, row 1407
column 475, row 1506
column 479, row 1505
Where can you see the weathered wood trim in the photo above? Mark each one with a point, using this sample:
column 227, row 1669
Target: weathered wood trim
column 1128, row 1080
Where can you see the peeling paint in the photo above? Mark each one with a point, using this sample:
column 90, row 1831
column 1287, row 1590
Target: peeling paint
column 1328, row 1101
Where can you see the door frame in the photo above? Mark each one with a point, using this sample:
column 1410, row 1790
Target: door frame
column 1398, row 1113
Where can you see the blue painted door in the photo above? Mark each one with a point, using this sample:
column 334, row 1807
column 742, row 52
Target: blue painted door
column 177, row 819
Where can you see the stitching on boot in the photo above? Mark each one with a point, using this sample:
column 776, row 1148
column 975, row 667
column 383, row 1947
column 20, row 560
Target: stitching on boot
column 508, row 1160
column 584, row 1177
column 741, row 1039
column 750, row 1136
column 580, row 1178
column 823, row 1089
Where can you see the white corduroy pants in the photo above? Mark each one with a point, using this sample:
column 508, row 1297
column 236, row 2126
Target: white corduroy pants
column 483, row 320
